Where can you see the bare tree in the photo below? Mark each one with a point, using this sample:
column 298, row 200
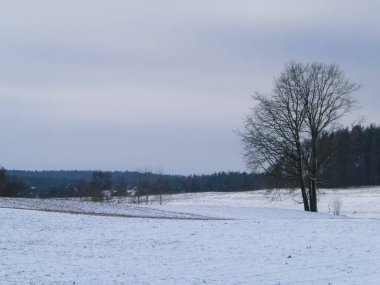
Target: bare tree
column 100, row 181
column 3, row 181
column 280, row 134
column 273, row 131
column 159, row 188
column 327, row 99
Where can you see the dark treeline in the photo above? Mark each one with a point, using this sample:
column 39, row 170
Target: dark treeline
column 353, row 160
column 87, row 183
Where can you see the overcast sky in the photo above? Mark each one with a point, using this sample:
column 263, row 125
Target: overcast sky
column 162, row 85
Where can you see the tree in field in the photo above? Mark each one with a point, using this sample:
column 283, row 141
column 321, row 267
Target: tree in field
column 120, row 186
column 3, row 181
column 100, row 181
column 280, row 135
column 328, row 99
column 11, row 186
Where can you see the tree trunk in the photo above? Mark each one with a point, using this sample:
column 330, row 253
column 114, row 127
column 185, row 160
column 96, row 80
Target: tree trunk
column 313, row 196
column 306, row 205
column 303, row 187
column 304, row 196
column 313, row 178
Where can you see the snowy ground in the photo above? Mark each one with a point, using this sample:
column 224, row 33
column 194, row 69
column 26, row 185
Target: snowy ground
column 256, row 242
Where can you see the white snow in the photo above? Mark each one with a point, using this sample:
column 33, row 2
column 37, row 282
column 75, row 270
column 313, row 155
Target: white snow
column 257, row 242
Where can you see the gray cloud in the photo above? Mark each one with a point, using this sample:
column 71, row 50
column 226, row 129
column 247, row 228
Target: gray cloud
column 161, row 84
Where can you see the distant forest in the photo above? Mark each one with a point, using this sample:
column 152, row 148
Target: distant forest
column 353, row 160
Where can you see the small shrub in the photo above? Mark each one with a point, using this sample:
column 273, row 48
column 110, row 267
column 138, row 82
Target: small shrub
column 335, row 206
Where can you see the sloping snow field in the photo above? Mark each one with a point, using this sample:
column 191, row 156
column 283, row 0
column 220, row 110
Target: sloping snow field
column 206, row 238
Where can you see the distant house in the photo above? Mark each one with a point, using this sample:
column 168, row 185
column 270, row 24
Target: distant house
column 132, row 191
column 106, row 194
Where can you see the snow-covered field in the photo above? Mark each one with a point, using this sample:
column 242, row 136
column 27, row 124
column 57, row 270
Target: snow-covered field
column 206, row 238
